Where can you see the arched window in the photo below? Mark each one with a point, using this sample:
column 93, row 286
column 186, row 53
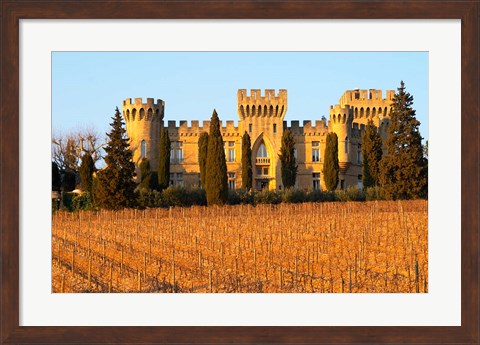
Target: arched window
column 271, row 110
column 262, row 151
column 142, row 113
column 361, row 112
column 368, row 112
column 374, row 112
column 149, row 114
column 356, row 112
column 143, row 149
column 134, row 113
column 253, row 111
column 128, row 115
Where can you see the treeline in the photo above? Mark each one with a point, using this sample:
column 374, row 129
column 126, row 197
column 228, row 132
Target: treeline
column 186, row 197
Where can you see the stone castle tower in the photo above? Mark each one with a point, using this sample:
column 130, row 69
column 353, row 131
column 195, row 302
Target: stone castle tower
column 143, row 122
column 262, row 117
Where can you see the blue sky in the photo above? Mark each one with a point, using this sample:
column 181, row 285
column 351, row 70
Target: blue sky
column 87, row 86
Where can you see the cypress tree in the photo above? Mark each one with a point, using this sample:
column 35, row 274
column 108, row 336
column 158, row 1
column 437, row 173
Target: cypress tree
column 163, row 169
column 115, row 187
column 202, row 156
column 403, row 172
column 87, row 168
column 56, row 178
column 149, row 178
column 372, row 154
column 216, row 169
column 246, row 162
column 144, row 169
column 330, row 165
column 287, row 159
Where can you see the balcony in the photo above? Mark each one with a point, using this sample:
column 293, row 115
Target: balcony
column 263, row 160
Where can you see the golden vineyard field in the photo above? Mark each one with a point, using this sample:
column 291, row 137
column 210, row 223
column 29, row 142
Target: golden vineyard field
column 376, row 246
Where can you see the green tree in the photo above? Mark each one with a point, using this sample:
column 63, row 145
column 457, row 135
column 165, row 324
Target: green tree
column 56, row 178
column 87, row 168
column 287, row 159
column 115, row 187
column 163, row 169
column 246, row 162
column 371, row 155
column 202, row 156
column 330, row 165
column 403, row 172
column 68, row 180
column 148, row 178
column 216, row 170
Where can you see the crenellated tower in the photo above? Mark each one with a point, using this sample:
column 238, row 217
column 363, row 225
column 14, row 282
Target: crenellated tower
column 340, row 123
column 262, row 118
column 143, row 122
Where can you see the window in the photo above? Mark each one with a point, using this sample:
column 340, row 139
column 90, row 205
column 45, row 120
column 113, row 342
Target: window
column 262, row 151
column 274, row 128
column 231, row 180
column 179, row 179
column 179, row 152
column 176, row 179
column 360, row 182
column 316, row 181
column 315, row 151
column 250, row 128
column 176, row 152
column 359, row 154
column 231, row 151
column 265, row 171
column 143, row 149
column 259, row 170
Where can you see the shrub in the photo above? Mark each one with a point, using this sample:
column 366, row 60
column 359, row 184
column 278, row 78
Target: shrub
column 197, row 196
column 82, row 202
column 320, row 196
column 67, row 201
column 175, row 196
column 233, row 198
column 352, row 193
column 291, row 195
column 266, row 197
column 246, row 197
column 375, row 193
column 148, row 198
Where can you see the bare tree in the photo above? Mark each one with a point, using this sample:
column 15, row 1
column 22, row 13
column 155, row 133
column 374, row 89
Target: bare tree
column 67, row 149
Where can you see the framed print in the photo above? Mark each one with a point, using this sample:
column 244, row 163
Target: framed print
column 241, row 287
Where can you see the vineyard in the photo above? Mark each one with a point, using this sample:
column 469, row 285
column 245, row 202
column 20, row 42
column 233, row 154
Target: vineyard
column 347, row 247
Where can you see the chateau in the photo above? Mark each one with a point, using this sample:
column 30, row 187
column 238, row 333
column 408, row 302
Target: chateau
column 262, row 117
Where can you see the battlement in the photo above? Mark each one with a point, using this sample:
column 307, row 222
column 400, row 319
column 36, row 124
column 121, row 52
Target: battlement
column 341, row 115
column 372, row 96
column 271, row 104
column 184, row 129
column 320, row 127
column 139, row 110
